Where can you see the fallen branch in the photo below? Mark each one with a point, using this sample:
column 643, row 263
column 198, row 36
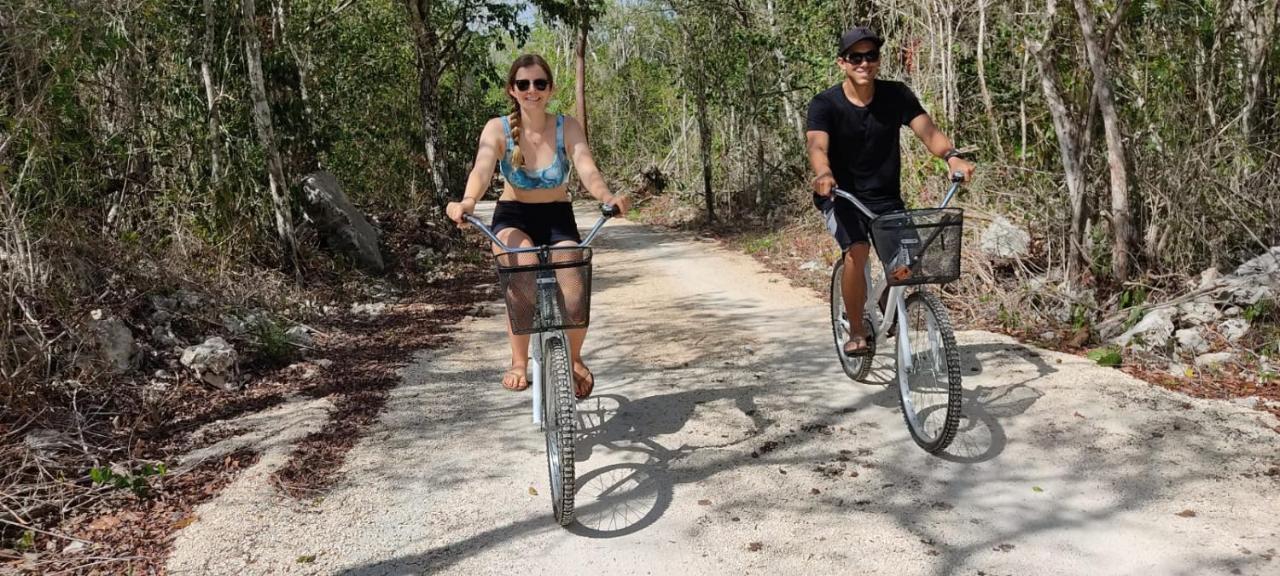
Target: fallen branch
column 45, row 532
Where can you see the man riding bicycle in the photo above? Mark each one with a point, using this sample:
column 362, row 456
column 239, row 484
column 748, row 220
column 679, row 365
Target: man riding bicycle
column 852, row 142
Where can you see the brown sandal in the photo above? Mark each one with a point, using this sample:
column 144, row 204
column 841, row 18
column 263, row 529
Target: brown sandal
column 578, row 382
column 521, row 380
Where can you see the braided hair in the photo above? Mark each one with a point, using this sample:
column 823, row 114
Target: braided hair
column 524, row 61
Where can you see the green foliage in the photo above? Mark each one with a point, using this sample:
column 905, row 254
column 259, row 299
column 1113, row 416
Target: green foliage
column 1009, row 318
column 136, row 481
column 1133, row 299
column 1260, row 310
column 761, row 243
column 27, row 542
column 1134, row 296
column 1109, row 357
column 1079, row 316
column 271, row 340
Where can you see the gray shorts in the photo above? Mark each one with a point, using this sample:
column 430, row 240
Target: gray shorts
column 847, row 224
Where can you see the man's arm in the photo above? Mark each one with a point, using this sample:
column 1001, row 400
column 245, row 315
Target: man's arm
column 939, row 145
column 816, row 145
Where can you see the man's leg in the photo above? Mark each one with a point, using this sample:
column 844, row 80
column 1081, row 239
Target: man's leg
column 853, row 286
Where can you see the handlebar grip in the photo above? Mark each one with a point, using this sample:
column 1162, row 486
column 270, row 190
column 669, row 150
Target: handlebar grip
column 957, row 176
column 610, row 210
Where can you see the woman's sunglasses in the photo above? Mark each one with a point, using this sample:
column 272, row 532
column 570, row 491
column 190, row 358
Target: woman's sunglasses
column 857, row 58
column 540, row 84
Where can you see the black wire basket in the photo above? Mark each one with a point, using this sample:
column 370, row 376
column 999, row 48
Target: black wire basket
column 561, row 273
column 919, row 246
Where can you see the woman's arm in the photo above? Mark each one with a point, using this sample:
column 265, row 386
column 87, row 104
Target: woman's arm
column 575, row 143
column 492, row 147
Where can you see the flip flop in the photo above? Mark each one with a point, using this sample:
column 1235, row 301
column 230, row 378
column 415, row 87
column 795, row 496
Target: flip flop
column 518, row 373
column 863, row 352
column 590, row 385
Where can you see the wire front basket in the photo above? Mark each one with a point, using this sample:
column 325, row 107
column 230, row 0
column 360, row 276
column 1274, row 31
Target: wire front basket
column 546, row 290
column 919, row 246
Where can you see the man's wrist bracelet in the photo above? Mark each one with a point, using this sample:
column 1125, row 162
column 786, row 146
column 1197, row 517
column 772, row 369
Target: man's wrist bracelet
column 949, row 154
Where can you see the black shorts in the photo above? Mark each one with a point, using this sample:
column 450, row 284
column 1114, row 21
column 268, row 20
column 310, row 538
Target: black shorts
column 847, row 223
column 546, row 223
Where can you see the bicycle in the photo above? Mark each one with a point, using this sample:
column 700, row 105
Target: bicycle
column 545, row 297
column 916, row 248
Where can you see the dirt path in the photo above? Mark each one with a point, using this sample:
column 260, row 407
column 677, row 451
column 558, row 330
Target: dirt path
column 724, row 437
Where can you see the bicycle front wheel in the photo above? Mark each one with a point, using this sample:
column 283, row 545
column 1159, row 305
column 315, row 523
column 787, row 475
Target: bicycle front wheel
column 856, row 368
column 558, row 425
column 929, row 373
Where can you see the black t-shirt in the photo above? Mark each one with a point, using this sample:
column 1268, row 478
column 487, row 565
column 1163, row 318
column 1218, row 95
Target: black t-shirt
column 864, row 152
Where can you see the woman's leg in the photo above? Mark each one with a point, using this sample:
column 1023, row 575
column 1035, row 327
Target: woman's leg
column 516, row 377
column 853, row 286
column 570, row 282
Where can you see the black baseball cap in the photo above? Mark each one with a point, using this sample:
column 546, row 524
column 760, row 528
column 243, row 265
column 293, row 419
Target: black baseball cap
column 857, row 35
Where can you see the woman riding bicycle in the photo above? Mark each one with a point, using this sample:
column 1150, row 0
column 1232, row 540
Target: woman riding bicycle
column 533, row 149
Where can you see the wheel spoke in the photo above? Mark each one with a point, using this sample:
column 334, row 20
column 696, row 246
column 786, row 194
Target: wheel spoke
column 930, row 389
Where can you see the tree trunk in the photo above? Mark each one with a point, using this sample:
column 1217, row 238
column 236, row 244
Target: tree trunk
column 211, row 98
column 982, row 78
column 1121, row 214
column 303, row 64
column 759, row 160
column 1069, row 151
column 704, row 150
column 580, row 76
column 784, row 86
column 1257, row 24
column 1022, row 113
column 278, row 185
column 428, row 52
column 431, row 136
column 953, row 80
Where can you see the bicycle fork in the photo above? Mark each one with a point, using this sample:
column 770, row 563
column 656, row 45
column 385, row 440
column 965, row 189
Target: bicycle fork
column 546, row 309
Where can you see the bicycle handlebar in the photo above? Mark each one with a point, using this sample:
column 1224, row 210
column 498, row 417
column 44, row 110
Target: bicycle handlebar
column 607, row 211
column 957, row 178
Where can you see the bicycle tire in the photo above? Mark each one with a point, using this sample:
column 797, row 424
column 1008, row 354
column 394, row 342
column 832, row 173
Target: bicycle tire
column 936, row 390
column 558, row 425
column 856, row 368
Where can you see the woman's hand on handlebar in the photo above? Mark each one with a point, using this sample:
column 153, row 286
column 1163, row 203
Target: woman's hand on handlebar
column 456, row 210
column 622, row 203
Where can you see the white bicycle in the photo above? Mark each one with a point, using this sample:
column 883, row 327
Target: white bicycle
column 917, row 248
column 548, row 290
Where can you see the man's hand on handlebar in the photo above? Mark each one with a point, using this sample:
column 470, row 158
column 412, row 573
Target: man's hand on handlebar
column 958, row 165
column 823, row 184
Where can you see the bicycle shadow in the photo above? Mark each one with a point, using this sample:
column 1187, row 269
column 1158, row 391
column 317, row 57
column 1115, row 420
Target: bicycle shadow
column 622, row 498
column 980, row 436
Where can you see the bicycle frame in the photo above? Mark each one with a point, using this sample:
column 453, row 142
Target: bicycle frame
column 895, row 306
column 546, row 297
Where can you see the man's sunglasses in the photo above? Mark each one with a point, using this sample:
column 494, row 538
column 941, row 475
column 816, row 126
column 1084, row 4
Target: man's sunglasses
column 856, row 58
column 540, row 84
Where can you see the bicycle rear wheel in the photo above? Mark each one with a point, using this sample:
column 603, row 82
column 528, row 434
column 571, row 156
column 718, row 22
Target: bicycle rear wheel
column 929, row 373
column 856, row 368
column 558, row 425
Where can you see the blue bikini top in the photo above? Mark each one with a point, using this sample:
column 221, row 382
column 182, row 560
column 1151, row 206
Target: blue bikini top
column 552, row 176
